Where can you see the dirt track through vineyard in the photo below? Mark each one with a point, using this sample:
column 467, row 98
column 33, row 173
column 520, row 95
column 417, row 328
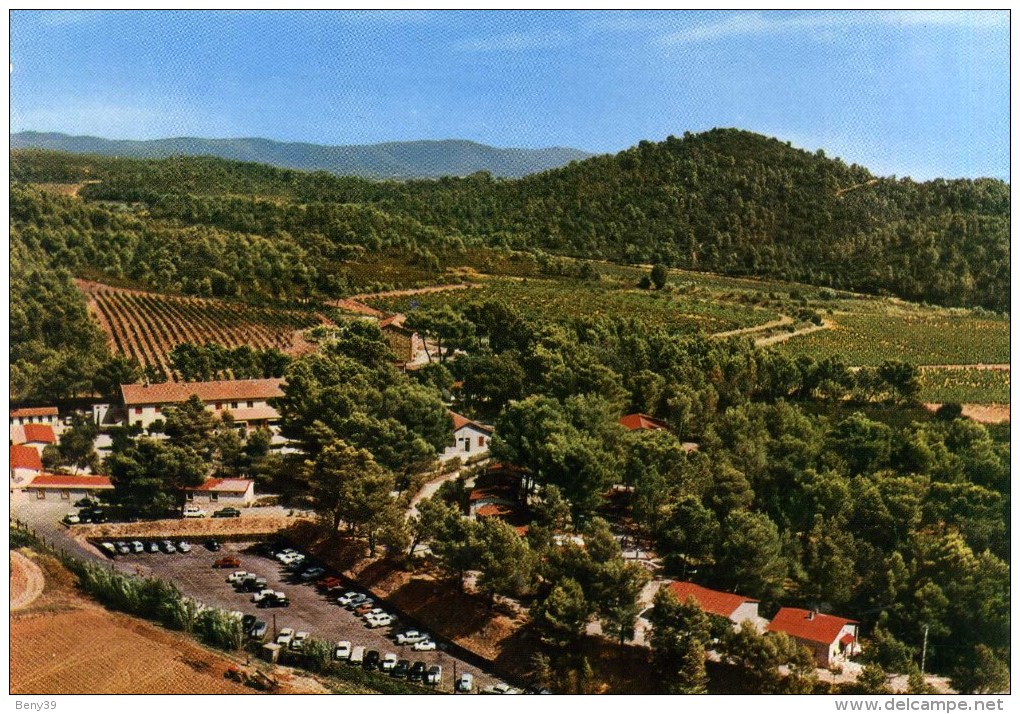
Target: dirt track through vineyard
column 27, row 581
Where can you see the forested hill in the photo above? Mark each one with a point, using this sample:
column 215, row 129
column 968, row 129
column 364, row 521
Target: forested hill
column 724, row 201
column 735, row 202
column 393, row 160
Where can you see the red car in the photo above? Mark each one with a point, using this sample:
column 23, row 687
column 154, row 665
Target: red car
column 329, row 583
column 227, row 561
column 364, row 607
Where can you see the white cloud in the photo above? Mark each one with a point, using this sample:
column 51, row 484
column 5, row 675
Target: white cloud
column 516, row 41
column 773, row 23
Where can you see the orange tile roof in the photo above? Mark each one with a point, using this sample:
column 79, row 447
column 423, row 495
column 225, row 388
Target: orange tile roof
column 460, row 422
column 642, row 421
column 711, row 601
column 253, row 414
column 223, row 485
column 800, row 624
column 493, row 509
column 68, row 481
column 39, row 433
column 220, row 391
column 25, row 457
column 33, row 412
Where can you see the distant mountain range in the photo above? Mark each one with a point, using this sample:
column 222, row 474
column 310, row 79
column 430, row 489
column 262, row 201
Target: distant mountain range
column 394, row 160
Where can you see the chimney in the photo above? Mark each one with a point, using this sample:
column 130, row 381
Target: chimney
column 811, row 615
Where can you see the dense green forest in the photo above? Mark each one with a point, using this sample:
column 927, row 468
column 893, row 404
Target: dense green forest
column 726, row 201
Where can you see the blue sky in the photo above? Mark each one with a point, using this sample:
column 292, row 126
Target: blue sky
column 908, row 93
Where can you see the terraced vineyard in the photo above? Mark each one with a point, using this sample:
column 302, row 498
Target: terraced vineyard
column 147, row 326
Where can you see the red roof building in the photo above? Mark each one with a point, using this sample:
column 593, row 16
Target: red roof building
column 69, row 481
column 33, row 412
column 25, row 457
column 230, row 390
column 39, row 434
column 230, row 491
column 642, row 421
column 827, row 636
column 735, row 608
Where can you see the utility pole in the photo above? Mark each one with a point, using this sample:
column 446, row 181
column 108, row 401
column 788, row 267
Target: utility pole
column 924, row 648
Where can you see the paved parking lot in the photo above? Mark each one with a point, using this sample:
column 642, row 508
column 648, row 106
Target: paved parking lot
column 310, row 609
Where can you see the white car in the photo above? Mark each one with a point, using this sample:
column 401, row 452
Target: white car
column 72, row 518
column 138, row 546
column 434, row 675
column 260, row 595
column 193, row 512
column 382, row 620
column 298, row 643
column 184, row 546
column 501, row 688
column 410, row 637
column 374, row 612
column 238, row 575
column 343, row 650
column 389, row 661
column 284, row 638
column 465, row 682
column 347, row 598
column 424, row 646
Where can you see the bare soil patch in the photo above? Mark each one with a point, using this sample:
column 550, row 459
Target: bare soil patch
column 27, row 581
column 983, row 413
column 248, row 525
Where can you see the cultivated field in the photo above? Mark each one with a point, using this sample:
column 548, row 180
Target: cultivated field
column 147, row 326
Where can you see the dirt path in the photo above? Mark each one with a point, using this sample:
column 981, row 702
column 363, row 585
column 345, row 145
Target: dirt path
column 27, row 581
column 783, row 320
column 983, row 413
column 784, row 336
column 354, row 302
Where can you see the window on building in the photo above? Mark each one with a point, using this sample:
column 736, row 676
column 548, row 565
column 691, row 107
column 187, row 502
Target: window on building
column 214, row 496
column 467, row 444
column 191, row 496
column 138, row 410
column 219, row 405
column 158, row 408
column 138, row 423
column 65, row 495
column 251, row 404
column 233, row 405
column 40, row 494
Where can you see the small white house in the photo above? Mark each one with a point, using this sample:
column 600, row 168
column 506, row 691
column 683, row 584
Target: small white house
column 237, row 492
column 471, row 438
column 38, row 436
column 830, row 638
column 64, row 487
column 25, row 466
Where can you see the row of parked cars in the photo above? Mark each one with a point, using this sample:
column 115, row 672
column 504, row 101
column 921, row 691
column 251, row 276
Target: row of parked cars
column 120, row 547
column 390, row 664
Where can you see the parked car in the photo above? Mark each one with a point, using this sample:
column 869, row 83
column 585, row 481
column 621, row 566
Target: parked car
column 465, row 682
column 357, row 655
column 212, row 544
column 247, row 621
column 123, row 548
column 401, row 669
column 312, row 573
column 85, row 503
column 168, row 547
column 343, row 650
column 108, row 548
column 500, row 688
column 184, row 546
column 275, row 599
column 193, row 512
column 371, row 660
column 298, row 643
column 72, row 518
column 366, row 605
column 383, row 620
column 258, row 630
column 253, row 584
column 389, row 661
column 424, row 646
column 137, row 546
column 227, row 513
column 152, row 546
column 227, row 561
column 351, row 599
column 285, row 636
column 434, row 675
column 261, row 594
column 410, row 637
column 329, row 583
column 417, row 671
column 237, row 576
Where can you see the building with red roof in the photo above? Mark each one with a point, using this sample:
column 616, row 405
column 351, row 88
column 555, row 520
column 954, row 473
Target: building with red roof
column 223, row 491
column 470, row 438
column 829, row 637
column 247, row 400
column 34, row 415
column 38, row 434
column 735, row 608
column 65, row 487
column 25, row 465
column 633, row 422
